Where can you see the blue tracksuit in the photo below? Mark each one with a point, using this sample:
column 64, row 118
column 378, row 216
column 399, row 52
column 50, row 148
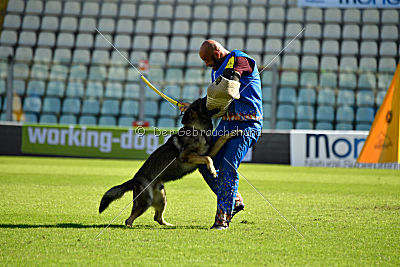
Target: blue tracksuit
column 243, row 114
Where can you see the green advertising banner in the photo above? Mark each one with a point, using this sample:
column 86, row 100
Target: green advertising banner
column 85, row 141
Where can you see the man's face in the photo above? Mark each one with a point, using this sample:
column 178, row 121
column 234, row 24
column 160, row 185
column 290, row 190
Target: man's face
column 211, row 59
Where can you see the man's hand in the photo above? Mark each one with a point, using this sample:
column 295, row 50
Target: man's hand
column 184, row 106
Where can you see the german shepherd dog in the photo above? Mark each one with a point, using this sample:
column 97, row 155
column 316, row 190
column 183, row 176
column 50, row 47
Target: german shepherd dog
column 180, row 155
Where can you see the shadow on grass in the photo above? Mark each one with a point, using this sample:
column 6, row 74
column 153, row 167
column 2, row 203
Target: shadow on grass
column 80, row 226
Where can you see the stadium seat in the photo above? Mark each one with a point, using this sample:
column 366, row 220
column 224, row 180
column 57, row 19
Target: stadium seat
column 257, row 13
column 368, row 48
column 363, row 126
column 71, row 105
column 388, row 49
column 100, row 57
column 30, row 118
column 325, row 114
column 65, row 40
column 365, row 115
column 305, row 113
column 110, row 107
column 81, row 56
column 107, row 25
column 90, row 9
column 39, row 71
column 174, row 75
column 345, row 98
column 344, row 114
column 306, row 96
column 236, row 29
column 132, row 90
column 348, row 63
column 23, row 54
column 344, row 126
column 130, row 108
column 97, row 73
column 313, row 15
column 295, row 14
column 379, row 97
column 311, row 47
column 46, row 39
column 72, row 8
column 284, row 125
column 331, row 31
column 368, row 64
column 387, row 65
column 87, row 120
column 370, row 16
column 285, row 112
column 55, row 88
column 274, row 29
column 91, row 107
column 289, row 79
column 108, row 10
column 384, row 81
column 113, row 90
column 347, row 80
column 146, row 11
column 16, row 6
column 18, row 87
column 51, row 105
column 329, row 63
column 238, row 13
column 328, row 79
column 312, row 31
column 107, row 121
column 35, row 88
column 69, row 24
column 32, row 104
column 78, row 73
column 309, row 63
column 330, row 47
column 324, row 126
column 67, row 119
column 173, row 91
column 267, row 111
column 351, row 32
column 165, row 11
column 159, row 43
column 352, row 16
column 125, row 121
column 150, row 108
column 49, row 23
column 48, row 119
column 390, row 16
column 166, row 122
column 201, row 12
column 367, row 81
column 176, row 59
column 62, row 55
column 369, row 32
column 308, row 79
column 365, row 98
column 287, row 96
column 21, row 71
column 190, row 93
column 74, row 89
column 255, row 29
column 305, row 125
column 333, row 15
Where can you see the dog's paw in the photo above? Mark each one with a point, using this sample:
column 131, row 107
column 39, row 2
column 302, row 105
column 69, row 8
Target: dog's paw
column 128, row 224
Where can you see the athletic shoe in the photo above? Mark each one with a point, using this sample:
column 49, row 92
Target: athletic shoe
column 237, row 208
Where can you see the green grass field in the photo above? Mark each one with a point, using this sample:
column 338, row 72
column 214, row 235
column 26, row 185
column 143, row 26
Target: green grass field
column 49, row 215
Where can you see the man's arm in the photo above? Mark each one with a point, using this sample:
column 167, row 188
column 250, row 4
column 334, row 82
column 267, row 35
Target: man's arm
column 242, row 67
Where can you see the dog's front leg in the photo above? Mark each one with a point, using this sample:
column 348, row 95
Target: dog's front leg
column 222, row 140
column 194, row 158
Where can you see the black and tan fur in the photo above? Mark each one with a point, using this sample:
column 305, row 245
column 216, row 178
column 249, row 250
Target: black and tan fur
column 191, row 146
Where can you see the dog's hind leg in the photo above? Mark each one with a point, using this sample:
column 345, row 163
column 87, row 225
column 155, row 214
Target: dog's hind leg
column 141, row 204
column 160, row 204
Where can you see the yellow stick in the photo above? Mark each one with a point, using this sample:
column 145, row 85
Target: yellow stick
column 173, row 101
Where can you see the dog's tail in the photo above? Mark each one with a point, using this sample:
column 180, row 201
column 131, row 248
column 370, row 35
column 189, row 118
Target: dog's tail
column 115, row 193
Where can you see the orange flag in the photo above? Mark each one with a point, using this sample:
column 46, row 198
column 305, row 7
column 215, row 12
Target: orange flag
column 382, row 144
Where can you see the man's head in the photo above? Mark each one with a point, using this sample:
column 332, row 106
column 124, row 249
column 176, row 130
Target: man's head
column 211, row 52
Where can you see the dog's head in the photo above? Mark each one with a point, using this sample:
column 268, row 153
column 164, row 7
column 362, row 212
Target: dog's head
column 198, row 114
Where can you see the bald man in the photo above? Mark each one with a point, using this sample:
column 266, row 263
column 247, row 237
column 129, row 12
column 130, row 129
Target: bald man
column 244, row 114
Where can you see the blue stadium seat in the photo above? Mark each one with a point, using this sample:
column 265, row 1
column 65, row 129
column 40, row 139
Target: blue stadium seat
column 345, row 98
column 18, row 87
column 365, row 98
column 267, row 94
column 51, row 105
column 284, row 125
column 173, row 91
column 30, row 118
column 132, row 90
column 114, row 90
column 32, row 104
column 325, row 114
column 167, row 109
column 94, row 89
column 190, row 92
column 110, row 107
column 150, row 108
column 72, row 106
column 90, row 107
column 87, row 120
column 304, row 125
column 74, row 89
column 344, row 114
column 130, row 107
column 379, row 97
column 35, row 88
column 324, row 126
column 289, row 78
column 308, row 79
column 328, row 79
column 326, row 97
column 363, row 126
column 55, row 88
column 126, row 121
column 287, row 96
column 166, row 122
column 365, row 115
column 305, row 113
column 347, row 81
column 48, row 119
column 266, row 111
column 306, row 96
column 285, row 112
column 344, row 126
column 67, row 119
column 107, row 121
